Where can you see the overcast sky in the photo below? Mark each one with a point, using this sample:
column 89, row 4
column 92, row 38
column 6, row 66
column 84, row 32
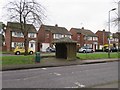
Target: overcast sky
column 90, row 14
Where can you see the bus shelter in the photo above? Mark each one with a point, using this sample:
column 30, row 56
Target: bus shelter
column 65, row 48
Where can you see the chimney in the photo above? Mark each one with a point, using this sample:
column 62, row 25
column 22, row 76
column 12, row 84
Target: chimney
column 56, row 25
column 103, row 30
column 82, row 27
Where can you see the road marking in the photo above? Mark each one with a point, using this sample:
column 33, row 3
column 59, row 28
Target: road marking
column 79, row 85
column 44, row 68
column 13, row 80
column 58, row 74
column 71, row 87
column 32, row 77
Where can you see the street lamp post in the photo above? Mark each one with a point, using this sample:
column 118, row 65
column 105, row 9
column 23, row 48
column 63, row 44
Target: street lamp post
column 109, row 31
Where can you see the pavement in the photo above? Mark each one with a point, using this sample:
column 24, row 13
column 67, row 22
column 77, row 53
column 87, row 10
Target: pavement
column 53, row 62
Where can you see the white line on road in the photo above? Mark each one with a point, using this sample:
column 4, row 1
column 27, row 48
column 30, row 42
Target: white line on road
column 44, row 68
column 58, row 74
column 32, row 77
column 79, row 85
column 12, row 80
column 71, row 87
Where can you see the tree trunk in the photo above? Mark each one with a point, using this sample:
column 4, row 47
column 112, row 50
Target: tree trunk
column 26, row 45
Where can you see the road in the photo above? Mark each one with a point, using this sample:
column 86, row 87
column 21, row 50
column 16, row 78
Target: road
column 77, row 76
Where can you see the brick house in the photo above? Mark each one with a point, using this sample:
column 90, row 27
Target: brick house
column 15, row 37
column 47, row 34
column 103, row 38
column 115, row 38
column 84, row 37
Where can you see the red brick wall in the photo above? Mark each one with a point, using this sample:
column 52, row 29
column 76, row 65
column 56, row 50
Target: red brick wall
column 44, row 36
column 77, row 37
column 48, row 37
column 8, row 39
column 102, row 38
column 41, row 34
column 74, row 34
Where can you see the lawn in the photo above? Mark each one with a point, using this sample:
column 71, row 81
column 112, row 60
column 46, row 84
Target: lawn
column 103, row 55
column 8, row 60
column 30, row 59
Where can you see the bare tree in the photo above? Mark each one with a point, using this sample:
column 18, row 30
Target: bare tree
column 24, row 12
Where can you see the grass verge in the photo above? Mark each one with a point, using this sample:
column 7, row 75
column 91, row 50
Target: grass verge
column 30, row 59
column 90, row 56
column 14, row 60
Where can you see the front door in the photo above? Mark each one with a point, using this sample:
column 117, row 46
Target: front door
column 32, row 45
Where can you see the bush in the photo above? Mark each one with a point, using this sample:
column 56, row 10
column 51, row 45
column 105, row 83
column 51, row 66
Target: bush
column 99, row 50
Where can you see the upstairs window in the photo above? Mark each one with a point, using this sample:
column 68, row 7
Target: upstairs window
column 95, row 38
column 68, row 36
column 17, row 34
column 57, row 36
column 47, row 35
column 88, row 38
column 32, row 35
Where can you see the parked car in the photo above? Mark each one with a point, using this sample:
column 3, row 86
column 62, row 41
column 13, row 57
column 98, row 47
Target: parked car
column 112, row 49
column 50, row 49
column 19, row 50
column 85, row 49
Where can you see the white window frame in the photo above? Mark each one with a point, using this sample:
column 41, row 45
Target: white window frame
column 32, row 35
column 17, row 34
column 57, row 36
column 95, row 38
column 14, row 44
column 68, row 36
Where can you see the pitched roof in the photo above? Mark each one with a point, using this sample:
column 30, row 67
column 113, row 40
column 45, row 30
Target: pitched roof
column 64, row 40
column 15, row 26
column 57, row 30
column 85, row 32
column 106, row 32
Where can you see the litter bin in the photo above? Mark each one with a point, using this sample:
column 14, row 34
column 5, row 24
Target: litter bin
column 37, row 57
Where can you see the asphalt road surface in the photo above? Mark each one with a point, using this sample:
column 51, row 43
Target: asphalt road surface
column 78, row 76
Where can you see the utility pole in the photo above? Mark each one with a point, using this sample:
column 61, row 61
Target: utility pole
column 109, row 31
column 118, row 25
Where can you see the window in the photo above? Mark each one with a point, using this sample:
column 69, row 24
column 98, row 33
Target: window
column 47, row 35
column 116, row 39
column 87, row 38
column 32, row 35
column 57, row 36
column 95, row 38
column 68, row 36
column 20, row 44
column 17, row 34
column 78, row 37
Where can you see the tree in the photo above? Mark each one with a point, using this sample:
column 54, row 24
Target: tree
column 2, row 39
column 26, row 11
